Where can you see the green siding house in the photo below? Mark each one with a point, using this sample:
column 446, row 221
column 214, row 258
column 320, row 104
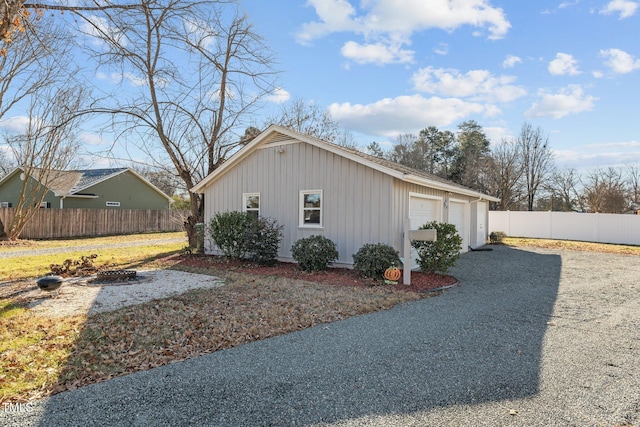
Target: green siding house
column 115, row 188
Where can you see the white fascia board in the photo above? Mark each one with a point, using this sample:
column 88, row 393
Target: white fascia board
column 446, row 187
column 235, row 158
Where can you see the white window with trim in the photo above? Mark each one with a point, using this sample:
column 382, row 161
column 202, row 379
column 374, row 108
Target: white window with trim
column 311, row 208
column 251, row 204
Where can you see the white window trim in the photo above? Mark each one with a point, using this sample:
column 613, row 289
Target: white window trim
column 244, row 202
column 302, row 209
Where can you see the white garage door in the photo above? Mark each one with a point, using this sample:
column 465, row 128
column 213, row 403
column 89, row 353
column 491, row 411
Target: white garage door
column 421, row 211
column 459, row 217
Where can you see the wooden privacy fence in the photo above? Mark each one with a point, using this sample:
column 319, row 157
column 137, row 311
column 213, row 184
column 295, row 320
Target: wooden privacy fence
column 586, row 227
column 62, row 223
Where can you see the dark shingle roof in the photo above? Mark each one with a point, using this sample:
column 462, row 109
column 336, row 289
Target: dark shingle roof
column 65, row 183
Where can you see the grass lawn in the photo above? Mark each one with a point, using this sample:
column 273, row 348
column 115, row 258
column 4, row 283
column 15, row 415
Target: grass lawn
column 39, row 357
column 35, row 265
column 572, row 245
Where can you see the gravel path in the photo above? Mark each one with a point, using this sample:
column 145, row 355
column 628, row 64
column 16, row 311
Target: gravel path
column 46, row 251
column 77, row 296
column 529, row 338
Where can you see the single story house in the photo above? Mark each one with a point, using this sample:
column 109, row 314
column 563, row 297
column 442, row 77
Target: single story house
column 315, row 187
column 114, row 188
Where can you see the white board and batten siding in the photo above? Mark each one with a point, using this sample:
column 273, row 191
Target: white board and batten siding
column 355, row 198
column 362, row 202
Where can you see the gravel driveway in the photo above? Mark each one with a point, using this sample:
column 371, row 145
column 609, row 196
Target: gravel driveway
column 529, row 338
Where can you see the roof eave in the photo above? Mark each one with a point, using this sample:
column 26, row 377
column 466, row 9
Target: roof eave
column 414, row 179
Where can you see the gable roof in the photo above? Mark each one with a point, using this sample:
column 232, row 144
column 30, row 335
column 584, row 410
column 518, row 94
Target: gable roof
column 74, row 182
column 275, row 135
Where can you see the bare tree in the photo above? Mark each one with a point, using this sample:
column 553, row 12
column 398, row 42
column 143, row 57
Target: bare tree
column 199, row 70
column 17, row 16
column 537, row 160
column 604, row 192
column 632, row 177
column 505, row 174
column 47, row 146
column 563, row 186
column 308, row 118
column 38, row 61
column 6, row 164
column 168, row 183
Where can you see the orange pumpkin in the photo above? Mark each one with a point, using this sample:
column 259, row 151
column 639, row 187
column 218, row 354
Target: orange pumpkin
column 392, row 274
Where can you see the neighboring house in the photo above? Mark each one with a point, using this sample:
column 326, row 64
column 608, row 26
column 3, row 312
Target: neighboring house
column 118, row 188
column 315, row 187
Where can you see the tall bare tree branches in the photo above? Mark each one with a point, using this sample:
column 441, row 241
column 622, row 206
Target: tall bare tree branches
column 16, row 16
column 505, row 174
column 537, row 160
column 195, row 71
column 47, row 146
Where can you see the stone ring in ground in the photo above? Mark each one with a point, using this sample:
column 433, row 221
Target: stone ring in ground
column 115, row 275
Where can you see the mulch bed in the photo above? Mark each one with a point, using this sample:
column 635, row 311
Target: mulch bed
column 420, row 282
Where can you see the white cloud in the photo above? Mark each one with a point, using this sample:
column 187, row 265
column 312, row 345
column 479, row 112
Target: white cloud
column 479, row 85
column 620, row 61
column 392, row 116
column 17, row 124
column 510, row 61
column 569, row 100
column 567, row 4
column 98, row 28
column 376, row 53
column 278, row 96
column 615, row 154
column 91, row 138
column 442, row 49
column 624, row 8
column 335, row 16
column 383, row 23
column 564, row 64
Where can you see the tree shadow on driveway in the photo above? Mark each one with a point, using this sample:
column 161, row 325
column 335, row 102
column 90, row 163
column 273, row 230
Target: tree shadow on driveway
column 479, row 342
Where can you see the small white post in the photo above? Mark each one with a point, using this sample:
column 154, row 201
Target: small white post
column 426, row 235
column 406, row 273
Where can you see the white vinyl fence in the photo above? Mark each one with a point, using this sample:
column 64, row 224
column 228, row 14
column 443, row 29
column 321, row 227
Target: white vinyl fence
column 603, row 228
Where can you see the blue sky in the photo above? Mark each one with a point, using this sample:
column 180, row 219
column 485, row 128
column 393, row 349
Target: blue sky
column 387, row 67
column 384, row 67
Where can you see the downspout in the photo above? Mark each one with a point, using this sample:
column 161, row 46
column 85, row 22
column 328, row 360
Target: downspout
column 62, row 202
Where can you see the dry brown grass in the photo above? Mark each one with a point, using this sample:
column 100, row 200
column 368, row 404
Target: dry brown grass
column 78, row 351
column 572, row 245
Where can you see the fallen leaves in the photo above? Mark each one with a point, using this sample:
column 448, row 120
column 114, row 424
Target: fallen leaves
column 145, row 336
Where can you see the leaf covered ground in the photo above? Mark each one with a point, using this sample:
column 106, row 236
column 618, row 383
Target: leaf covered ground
column 41, row 357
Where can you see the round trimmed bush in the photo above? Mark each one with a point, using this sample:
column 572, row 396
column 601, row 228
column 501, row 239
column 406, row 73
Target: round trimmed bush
column 228, row 231
column 372, row 260
column 496, row 237
column 314, row 253
column 264, row 239
column 441, row 254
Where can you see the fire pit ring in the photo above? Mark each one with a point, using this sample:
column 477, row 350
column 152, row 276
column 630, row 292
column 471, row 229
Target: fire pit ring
column 116, row 275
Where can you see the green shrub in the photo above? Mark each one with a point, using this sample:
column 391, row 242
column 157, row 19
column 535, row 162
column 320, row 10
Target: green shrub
column 496, row 237
column 264, row 239
column 239, row 235
column 372, row 259
column 441, row 254
column 228, row 232
column 314, row 253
